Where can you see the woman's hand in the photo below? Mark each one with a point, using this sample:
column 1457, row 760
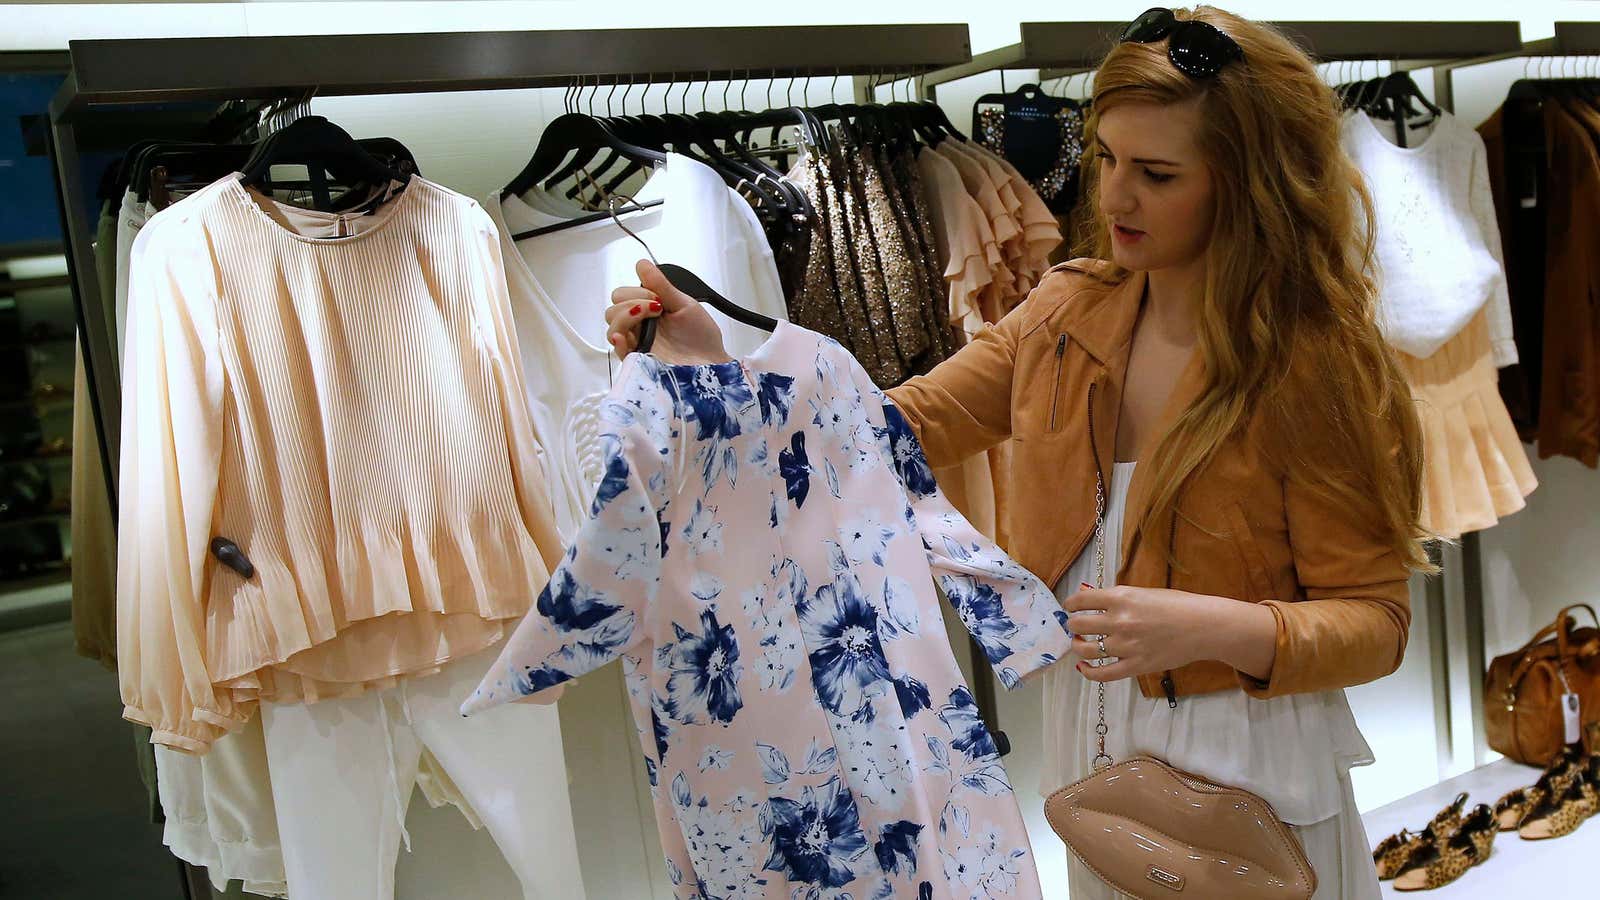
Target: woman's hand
column 686, row 334
column 1150, row 630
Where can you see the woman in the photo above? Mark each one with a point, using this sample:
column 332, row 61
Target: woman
column 1215, row 382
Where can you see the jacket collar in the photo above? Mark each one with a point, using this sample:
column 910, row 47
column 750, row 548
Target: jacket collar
column 1101, row 322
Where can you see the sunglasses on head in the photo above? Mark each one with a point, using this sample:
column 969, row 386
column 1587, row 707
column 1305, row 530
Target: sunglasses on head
column 1197, row 49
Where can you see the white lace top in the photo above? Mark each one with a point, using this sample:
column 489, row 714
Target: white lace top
column 1438, row 244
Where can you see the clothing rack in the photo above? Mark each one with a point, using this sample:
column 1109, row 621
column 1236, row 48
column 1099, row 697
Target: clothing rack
column 1062, row 49
column 1047, row 46
column 120, row 91
column 1569, row 39
column 107, row 77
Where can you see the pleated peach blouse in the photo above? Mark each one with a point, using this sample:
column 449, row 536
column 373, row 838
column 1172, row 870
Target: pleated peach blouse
column 340, row 396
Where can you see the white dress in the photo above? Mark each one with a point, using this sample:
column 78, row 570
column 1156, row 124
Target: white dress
column 1295, row 752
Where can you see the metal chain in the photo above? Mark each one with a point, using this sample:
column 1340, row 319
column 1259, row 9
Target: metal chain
column 1102, row 759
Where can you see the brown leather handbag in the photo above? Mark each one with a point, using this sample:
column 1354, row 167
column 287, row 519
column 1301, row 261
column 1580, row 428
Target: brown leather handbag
column 1154, row 832
column 1546, row 694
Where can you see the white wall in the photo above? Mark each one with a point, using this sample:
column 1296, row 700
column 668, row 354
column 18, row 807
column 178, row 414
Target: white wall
column 1535, row 562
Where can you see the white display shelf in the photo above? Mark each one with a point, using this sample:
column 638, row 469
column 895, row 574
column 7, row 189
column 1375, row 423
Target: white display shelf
column 1515, row 868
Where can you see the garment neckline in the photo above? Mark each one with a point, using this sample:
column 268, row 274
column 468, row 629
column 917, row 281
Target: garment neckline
column 757, row 355
column 520, row 262
column 1428, row 140
column 257, row 202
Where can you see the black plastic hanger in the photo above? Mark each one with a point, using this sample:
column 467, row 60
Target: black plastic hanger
column 574, row 132
column 324, row 149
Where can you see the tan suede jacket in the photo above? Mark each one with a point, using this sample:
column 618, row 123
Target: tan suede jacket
column 1049, row 376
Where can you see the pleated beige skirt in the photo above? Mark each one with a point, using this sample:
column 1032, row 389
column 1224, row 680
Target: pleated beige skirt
column 1476, row 469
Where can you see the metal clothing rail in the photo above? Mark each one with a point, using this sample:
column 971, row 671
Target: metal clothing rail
column 1059, row 49
column 107, row 76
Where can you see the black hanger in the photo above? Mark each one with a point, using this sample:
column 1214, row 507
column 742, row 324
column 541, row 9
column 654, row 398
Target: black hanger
column 324, row 149
column 691, row 284
column 574, row 132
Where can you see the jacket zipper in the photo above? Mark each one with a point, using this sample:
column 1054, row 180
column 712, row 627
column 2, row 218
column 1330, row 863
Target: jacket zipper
column 1094, row 446
column 1172, row 544
column 1055, row 394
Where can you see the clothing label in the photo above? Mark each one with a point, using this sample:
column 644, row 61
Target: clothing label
column 1569, row 715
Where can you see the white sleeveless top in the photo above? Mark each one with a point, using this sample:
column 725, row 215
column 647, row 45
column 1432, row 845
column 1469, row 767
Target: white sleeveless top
column 1292, row 751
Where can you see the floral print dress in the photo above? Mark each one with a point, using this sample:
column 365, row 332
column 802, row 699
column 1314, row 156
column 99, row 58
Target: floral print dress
column 758, row 559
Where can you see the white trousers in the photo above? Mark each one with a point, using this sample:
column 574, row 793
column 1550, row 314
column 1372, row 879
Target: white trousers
column 343, row 773
column 219, row 811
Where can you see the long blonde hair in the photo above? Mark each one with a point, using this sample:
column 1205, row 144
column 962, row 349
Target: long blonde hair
column 1287, row 322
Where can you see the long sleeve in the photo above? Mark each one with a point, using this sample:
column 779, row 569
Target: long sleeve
column 171, row 450
column 1352, row 626
column 596, row 604
column 963, row 406
column 1012, row 615
column 1481, row 199
column 522, row 446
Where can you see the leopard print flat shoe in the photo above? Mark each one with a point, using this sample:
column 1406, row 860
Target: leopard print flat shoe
column 1511, row 809
column 1440, row 863
column 1393, row 854
column 1561, row 814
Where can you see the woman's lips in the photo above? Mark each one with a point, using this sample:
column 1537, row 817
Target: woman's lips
column 1126, row 235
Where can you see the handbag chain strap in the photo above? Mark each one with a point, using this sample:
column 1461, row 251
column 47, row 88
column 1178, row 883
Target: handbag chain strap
column 1102, row 759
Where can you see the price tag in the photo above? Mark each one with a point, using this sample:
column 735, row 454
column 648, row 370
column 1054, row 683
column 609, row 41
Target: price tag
column 1569, row 715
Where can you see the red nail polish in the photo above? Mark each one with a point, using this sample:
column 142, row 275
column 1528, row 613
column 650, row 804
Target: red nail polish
column 635, row 310
column 655, row 306
column 1086, row 585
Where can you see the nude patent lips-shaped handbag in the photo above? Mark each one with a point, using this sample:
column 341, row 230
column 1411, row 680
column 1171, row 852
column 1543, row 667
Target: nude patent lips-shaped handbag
column 1151, row 831
column 1156, row 833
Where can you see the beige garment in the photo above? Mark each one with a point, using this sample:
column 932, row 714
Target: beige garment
column 344, row 401
column 967, row 251
column 1040, row 232
column 996, row 296
column 1475, row 467
column 964, row 239
column 1013, row 248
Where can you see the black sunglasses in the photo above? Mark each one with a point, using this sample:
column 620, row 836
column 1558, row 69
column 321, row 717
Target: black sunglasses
column 1197, row 49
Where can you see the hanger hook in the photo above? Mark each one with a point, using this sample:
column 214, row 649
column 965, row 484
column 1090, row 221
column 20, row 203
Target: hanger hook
column 742, row 86
column 833, row 88
column 705, row 86
column 611, row 207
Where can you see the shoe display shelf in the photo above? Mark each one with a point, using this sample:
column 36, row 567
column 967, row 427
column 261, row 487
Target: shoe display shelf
column 1515, row 867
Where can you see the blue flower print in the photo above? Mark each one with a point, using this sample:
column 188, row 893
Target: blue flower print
column 983, row 613
column 615, row 479
column 970, row 735
column 909, row 462
column 912, row 694
column 660, row 727
column 864, row 538
column 817, row 839
column 847, row 661
column 714, row 394
column 533, row 680
column 704, row 683
column 571, row 606
column 897, row 847
column 796, row 469
column 776, row 393
column 703, row 531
